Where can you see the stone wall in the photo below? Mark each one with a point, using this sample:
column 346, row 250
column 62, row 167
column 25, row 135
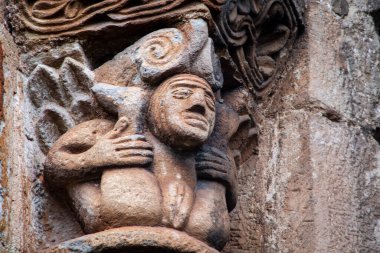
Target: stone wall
column 314, row 185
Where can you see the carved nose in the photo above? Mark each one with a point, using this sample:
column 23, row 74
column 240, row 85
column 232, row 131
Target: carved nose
column 199, row 102
column 198, row 108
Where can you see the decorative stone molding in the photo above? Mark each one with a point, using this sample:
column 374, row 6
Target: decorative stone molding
column 258, row 36
column 134, row 239
column 73, row 16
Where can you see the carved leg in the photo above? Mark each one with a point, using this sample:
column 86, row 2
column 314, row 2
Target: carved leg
column 209, row 220
column 130, row 196
column 86, row 201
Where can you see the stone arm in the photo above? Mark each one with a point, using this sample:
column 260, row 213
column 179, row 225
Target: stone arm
column 85, row 150
column 215, row 161
column 213, row 166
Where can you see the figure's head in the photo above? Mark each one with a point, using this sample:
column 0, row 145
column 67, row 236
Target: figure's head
column 182, row 111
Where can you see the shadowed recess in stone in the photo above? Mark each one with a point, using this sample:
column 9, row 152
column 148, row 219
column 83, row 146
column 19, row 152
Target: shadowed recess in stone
column 376, row 135
column 376, row 19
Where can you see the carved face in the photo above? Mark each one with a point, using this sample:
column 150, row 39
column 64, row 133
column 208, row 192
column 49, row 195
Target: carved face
column 182, row 111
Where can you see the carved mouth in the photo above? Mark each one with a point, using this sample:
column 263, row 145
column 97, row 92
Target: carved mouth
column 196, row 120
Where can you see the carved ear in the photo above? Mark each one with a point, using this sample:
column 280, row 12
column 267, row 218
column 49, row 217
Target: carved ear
column 244, row 142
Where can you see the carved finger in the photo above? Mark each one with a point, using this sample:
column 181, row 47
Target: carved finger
column 212, row 158
column 211, row 165
column 217, row 152
column 134, row 137
column 213, row 151
column 134, row 160
column 133, row 145
column 135, row 152
column 212, row 174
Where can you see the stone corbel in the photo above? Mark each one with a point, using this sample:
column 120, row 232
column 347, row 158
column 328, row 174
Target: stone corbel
column 146, row 148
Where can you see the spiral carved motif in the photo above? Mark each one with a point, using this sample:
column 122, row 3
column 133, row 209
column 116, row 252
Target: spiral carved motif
column 163, row 52
column 163, row 48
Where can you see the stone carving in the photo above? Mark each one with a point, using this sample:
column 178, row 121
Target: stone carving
column 259, row 34
column 161, row 155
column 149, row 144
column 256, row 34
column 63, row 99
column 72, row 16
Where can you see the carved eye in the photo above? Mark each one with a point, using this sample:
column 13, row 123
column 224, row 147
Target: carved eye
column 182, row 93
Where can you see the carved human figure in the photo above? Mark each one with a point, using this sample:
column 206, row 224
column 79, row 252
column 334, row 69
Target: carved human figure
column 181, row 118
column 160, row 162
column 105, row 168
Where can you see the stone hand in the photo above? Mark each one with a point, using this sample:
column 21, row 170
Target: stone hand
column 119, row 148
column 215, row 165
column 178, row 203
column 211, row 158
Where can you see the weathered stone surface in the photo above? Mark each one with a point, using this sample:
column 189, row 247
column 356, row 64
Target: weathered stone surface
column 134, row 239
column 12, row 203
column 340, row 7
column 350, row 50
column 316, row 186
column 316, row 173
